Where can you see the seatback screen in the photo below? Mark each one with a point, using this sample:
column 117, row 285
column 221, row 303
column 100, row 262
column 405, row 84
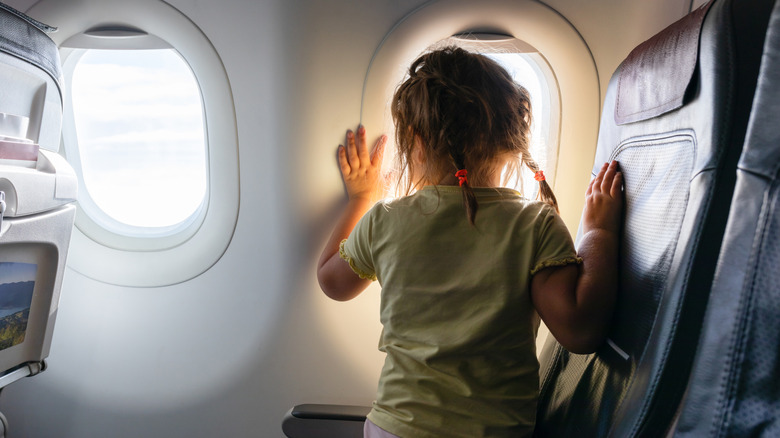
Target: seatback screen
column 17, row 282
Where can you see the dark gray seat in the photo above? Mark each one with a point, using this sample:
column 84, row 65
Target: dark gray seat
column 675, row 117
column 734, row 390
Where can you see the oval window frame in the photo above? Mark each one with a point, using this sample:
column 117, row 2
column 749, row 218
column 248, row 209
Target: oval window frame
column 164, row 260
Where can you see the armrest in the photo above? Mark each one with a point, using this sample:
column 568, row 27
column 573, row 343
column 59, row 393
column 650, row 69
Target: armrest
column 325, row 421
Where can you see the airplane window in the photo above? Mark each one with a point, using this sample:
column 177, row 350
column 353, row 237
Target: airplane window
column 145, row 97
column 141, row 143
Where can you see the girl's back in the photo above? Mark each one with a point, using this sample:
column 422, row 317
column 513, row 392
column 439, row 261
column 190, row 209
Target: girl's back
column 465, row 265
column 459, row 326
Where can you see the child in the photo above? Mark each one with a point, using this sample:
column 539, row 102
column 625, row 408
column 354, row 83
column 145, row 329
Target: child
column 465, row 265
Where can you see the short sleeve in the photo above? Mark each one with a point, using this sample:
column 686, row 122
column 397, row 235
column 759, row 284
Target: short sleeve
column 555, row 246
column 356, row 249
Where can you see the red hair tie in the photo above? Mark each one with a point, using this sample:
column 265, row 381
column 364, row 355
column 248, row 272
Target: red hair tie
column 461, row 174
column 539, row 175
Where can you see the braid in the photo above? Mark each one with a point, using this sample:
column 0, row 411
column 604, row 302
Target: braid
column 545, row 191
column 469, row 198
column 462, row 116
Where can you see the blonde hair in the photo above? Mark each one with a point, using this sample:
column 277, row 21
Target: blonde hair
column 467, row 113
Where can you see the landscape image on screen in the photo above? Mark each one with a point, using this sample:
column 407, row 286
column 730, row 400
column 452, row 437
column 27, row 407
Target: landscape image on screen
column 17, row 282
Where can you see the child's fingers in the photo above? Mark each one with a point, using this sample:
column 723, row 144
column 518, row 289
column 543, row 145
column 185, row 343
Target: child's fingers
column 343, row 162
column 609, row 177
column 599, row 178
column 352, row 154
column 615, row 191
column 362, row 147
column 379, row 151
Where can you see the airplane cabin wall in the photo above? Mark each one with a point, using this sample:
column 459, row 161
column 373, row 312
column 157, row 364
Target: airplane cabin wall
column 228, row 352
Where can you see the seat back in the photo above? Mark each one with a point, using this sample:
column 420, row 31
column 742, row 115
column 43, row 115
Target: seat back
column 733, row 389
column 37, row 190
column 674, row 116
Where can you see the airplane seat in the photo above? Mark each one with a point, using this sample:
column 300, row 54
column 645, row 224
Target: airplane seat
column 37, row 194
column 674, row 116
column 733, row 388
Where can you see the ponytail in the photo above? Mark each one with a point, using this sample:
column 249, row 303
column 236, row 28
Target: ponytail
column 546, row 195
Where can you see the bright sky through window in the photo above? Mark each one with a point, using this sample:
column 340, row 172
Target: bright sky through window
column 141, row 139
column 524, row 74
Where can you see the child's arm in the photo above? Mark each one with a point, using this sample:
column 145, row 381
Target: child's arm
column 576, row 302
column 362, row 179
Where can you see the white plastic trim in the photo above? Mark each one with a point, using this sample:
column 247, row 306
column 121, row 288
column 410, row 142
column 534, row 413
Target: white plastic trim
column 151, row 262
column 529, row 21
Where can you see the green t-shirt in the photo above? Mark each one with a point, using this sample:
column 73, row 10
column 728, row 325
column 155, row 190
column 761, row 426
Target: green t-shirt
column 459, row 327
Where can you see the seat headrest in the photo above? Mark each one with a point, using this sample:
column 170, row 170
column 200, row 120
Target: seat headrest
column 655, row 76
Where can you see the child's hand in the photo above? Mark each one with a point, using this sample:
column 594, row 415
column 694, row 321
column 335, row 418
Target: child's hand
column 361, row 173
column 577, row 302
column 604, row 200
